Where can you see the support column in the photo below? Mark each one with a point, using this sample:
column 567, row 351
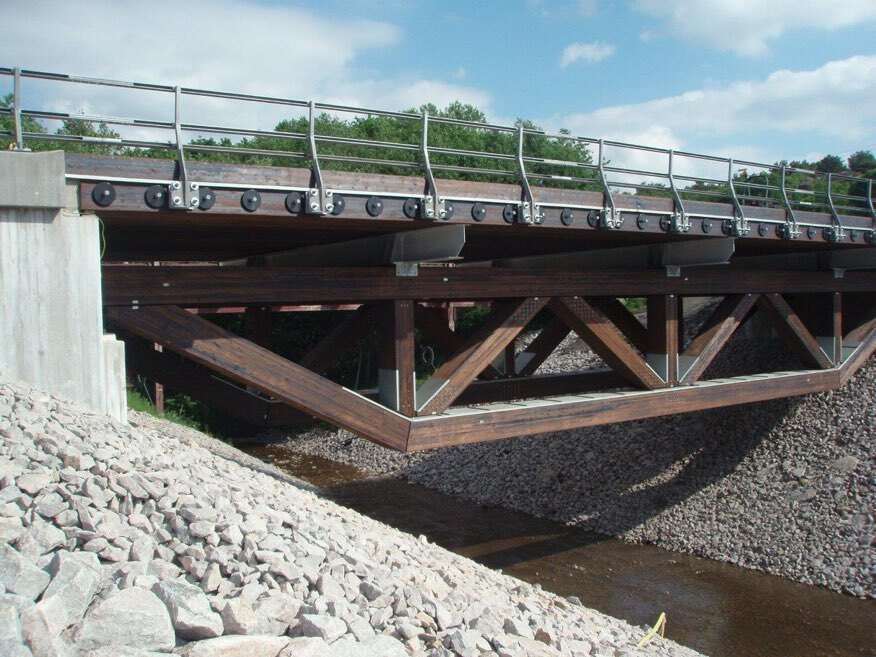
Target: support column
column 663, row 336
column 257, row 325
column 396, row 377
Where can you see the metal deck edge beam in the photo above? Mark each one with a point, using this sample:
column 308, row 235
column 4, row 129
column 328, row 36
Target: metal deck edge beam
column 861, row 258
column 681, row 253
column 437, row 243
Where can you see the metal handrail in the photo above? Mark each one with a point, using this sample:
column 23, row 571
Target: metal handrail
column 604, row 175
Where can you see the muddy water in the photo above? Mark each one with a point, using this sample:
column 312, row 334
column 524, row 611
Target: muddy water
column 715, row 608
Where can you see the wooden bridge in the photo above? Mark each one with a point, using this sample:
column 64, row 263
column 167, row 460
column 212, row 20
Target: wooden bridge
column 549, row 252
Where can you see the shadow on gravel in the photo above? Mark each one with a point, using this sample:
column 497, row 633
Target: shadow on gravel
column 614, row 478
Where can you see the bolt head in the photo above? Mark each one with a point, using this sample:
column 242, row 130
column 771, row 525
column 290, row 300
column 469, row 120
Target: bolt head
column 194, row 202
column 193, row 186
column 313, row 192
column 329, row 207
column 175, row 184
column 442, row 214
column 328, row 192
column 177, row 200
column 314, row 206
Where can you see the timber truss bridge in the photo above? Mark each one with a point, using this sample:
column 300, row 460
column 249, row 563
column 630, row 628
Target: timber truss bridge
column 394, row 232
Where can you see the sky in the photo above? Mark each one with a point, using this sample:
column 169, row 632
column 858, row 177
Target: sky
column 762, row 80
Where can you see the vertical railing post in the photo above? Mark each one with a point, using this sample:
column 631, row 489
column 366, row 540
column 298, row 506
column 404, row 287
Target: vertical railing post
column 610, row 216
column 680, row 220
column 740, row 223
column 320, row 201
column 16, row 109
column 837, row 234
column 433, row 205
column 531, row 211
column 791, row 229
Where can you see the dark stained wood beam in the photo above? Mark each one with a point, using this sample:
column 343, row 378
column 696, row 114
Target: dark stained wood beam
column 605, row 340
column 702, row 349
column 217, row 286
column 242, row 361
column 664, row 336
column 396, row 375
column 343, row 337
column 190, row 379
column 457, row 372
column 541, row 347
column 485, row 424
column 793, row 331
column 865, row 349
column 257, row 325
column 435, row 327
column 624, row 320
column 540, row 385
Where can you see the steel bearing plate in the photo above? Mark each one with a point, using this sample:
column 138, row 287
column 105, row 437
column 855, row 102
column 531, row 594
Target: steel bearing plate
column 206, row 198
column 567, row 217
column 374, row 206
column 103, row 194
column 411, row 208
column 251, row 200
column 338, row 204
column 156, row 196
column 294, row 202
column 478, row 211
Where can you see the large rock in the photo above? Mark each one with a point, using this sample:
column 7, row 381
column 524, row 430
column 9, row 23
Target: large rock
column 322, row 627
column 11, row 640
column 237, row 646
column 133, row 617
column 70, row 592
column 20, row 576
column 377, row 646
column 239, row 617
column 189, row 609
column 41, row 636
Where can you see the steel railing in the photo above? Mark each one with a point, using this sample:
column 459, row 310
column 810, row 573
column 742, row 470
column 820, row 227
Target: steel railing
column 676, row 174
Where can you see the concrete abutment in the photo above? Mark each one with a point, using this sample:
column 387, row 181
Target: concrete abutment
column 51, row 319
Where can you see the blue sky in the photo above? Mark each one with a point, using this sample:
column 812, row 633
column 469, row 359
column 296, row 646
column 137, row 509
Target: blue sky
column 755, row 79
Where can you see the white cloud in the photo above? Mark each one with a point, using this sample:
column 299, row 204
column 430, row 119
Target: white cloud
column 747, row 26
column 591, row 53
column 240, row 46
column 836, row 102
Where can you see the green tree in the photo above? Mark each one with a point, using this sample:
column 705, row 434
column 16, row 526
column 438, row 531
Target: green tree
column 7, row 123
column 830, row 164
column 862, row 163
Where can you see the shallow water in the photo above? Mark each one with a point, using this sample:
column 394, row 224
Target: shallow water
column 716, row 608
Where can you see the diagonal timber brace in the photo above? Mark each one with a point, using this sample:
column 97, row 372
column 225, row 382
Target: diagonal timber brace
column 241, row 360
column 452, row 378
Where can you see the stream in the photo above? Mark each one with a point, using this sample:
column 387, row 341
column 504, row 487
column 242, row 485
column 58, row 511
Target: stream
column 716, row 608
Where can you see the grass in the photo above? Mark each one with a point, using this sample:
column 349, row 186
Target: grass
column 138, row 402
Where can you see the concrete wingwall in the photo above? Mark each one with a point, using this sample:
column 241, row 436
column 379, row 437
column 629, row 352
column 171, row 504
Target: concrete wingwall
column 51, row 311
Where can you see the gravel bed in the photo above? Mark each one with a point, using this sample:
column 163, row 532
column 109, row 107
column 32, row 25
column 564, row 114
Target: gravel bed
column 784, row 486
column 151, row 539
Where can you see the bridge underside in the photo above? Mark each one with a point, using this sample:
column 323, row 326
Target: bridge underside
column 394, row 276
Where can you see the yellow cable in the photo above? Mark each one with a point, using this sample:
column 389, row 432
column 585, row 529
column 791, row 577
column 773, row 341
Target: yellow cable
column 102, row 237
column 659, row 626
